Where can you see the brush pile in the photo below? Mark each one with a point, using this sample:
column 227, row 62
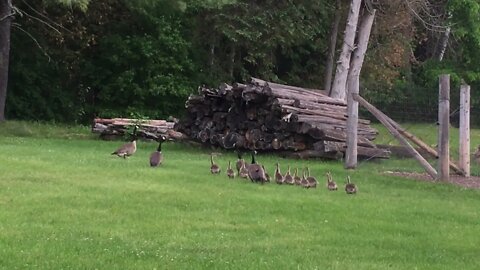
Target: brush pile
column 147, row 129
column 267, row 116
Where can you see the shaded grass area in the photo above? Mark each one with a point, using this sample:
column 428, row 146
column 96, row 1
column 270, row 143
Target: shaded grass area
column 67, row 203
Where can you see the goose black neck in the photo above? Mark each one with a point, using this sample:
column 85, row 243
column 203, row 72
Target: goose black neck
column 159, row 148
column 239, row 155
column 253, row 158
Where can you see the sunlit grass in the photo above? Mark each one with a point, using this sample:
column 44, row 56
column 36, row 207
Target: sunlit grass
column 66, row 203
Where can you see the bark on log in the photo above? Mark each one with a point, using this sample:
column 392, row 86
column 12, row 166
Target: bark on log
column 268, row 116
column 148, row 129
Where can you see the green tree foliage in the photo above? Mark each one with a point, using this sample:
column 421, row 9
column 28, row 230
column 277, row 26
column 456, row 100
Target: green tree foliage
column 122, row 58
column 144, row 58
column 148, row 73
column 275, row 40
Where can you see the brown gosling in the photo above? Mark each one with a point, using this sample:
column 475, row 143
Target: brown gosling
column 350, row 188
column 256, row 173
column 312, row 181
column 214, row 168
column 304, row 181
column 240, row 161
column 331, row 185
column 288, row 179
column 230, row 172
column 156, row 158
column 128, row 149
column 267, row 176
column 278, row 175
column 243, row 173
column 296, row 178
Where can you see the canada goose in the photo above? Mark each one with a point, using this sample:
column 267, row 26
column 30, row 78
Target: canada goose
column 214, row 168
column 288, row 179
column 312, row 181
column 243, row 173
column 304, row 181
column 350, row 187
column 278, row 175
column 296, row 178
column 130, row 148
column 256, row 173
column 156, row 157
column 331, row 185
column 230, row 172
column 240, row 161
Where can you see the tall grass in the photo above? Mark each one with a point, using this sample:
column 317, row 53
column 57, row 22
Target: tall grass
column 66, row 203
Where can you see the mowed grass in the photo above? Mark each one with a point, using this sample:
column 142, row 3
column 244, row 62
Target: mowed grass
column 66, row 203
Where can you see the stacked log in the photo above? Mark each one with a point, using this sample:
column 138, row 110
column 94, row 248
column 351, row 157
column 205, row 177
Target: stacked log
column 274, row 117
column 147, row 129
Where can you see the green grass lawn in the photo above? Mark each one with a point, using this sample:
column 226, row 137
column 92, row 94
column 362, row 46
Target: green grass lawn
column 66, row 203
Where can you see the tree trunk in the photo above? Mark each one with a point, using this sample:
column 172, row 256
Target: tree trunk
column 443, row 44
column 353, row 84
column 343, row 65
column 332, row 47
column 5, row 25
column 231, row 65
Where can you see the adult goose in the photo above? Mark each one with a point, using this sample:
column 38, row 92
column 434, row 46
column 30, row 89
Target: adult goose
column 129, row 148
column 256, row 173
column 156, row 158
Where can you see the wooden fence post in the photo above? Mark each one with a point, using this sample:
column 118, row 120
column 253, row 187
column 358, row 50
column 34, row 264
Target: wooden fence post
column 444, row 125
column 464, row 148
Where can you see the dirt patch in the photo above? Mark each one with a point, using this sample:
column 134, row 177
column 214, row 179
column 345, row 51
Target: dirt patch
column 466, row 182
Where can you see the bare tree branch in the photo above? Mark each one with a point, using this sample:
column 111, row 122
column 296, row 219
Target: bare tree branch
column 45, row 17
column 16, row 25
column 42, row 21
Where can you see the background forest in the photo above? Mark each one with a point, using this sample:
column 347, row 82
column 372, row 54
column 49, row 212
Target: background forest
column 70, row 62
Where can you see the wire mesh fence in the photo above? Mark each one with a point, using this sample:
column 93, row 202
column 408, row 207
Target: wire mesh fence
column 422, row 121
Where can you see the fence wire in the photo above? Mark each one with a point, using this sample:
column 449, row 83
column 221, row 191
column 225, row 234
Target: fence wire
column 422, row 121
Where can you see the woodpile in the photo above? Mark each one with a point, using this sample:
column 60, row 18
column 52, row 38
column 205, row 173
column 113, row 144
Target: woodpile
column 273, row 117
column 147, row 129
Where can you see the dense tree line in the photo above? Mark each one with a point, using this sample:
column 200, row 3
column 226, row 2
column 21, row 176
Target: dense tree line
column 116, row 58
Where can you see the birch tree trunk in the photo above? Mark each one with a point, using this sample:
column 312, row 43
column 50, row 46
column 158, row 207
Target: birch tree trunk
column 327, row 86
column 443, row 44
column 5, row 25
column 341, row 73
column 353, row 83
